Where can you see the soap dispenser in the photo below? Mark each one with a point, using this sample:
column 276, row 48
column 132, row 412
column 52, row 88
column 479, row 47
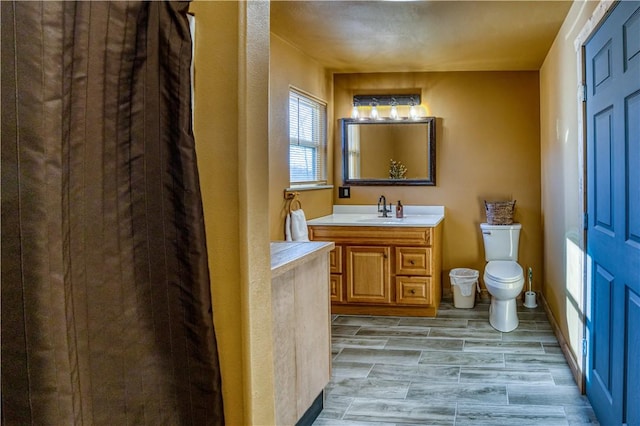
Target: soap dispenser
column 399, row 212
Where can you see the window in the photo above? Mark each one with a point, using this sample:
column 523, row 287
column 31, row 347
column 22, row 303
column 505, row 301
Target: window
column 354, row 152
column 307, row 140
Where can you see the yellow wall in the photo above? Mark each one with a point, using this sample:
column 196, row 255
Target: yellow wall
column 561, row 178
column 291, row 67
column 487, row 148
column 231, row 129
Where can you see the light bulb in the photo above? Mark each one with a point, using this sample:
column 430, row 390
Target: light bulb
column 354, row 112
column 374, row 113
column 394, row 113
column 413, row 112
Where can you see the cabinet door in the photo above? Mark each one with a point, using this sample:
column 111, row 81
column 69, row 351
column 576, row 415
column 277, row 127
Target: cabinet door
column 335, row 286
column 368, row 274
column 335, row 260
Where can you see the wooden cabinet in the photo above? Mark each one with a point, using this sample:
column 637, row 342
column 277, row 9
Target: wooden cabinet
column 384, row 270
column 301, row 328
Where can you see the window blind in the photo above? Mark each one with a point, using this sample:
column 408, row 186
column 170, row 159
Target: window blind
column 307, row 139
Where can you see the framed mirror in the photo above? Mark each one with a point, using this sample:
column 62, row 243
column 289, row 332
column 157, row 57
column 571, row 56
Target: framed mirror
column 389, row 152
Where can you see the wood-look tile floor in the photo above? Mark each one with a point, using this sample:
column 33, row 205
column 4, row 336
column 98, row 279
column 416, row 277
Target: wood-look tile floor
column 451, row 370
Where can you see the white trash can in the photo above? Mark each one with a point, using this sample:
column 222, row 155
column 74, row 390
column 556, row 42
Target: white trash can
column 464, row 282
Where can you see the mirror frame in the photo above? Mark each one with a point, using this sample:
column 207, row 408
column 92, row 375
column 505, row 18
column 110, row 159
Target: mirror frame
column 430, row 180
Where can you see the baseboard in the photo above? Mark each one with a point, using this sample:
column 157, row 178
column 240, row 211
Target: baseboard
column 578, row 375
column 313, row 411
column 484, row 295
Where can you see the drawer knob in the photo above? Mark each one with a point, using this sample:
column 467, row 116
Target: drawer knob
column 412, row 262
column 412, row 291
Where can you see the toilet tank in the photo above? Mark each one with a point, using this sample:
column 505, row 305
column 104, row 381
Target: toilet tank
column 500, row 241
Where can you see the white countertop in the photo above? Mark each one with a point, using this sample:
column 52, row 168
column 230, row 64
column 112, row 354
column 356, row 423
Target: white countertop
column 367, row 215
column 286, row 255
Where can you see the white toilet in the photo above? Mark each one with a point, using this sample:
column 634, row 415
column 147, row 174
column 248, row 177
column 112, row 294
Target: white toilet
column 502, row 274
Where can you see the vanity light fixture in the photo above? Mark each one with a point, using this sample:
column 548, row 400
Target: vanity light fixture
column 413, row 112
column 393, row 114
column 354, row 112
column 374, row 115
column 393, row 101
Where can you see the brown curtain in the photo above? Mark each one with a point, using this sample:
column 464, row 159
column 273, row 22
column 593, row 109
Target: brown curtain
column 106, row 305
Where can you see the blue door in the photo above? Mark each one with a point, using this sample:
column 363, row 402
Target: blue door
column 613, row 207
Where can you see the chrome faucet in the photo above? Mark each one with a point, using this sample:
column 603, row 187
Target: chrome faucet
column 384, row 210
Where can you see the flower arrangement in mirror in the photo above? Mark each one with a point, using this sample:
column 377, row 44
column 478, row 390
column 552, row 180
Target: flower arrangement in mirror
column 397, row 170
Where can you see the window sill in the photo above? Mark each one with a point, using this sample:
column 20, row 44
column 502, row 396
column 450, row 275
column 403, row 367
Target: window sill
column 307, row 188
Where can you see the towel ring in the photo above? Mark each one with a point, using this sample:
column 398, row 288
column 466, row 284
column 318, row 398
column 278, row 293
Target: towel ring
column 292, row 198
column 294, row 201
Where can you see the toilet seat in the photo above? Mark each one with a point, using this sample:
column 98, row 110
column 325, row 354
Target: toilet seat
column 503, row 271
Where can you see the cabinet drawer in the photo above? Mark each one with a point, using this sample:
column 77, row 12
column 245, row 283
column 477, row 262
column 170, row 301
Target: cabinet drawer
column 335, row 260
column 375, row 235
column 413, row 261
column 335, row 286
column 413, row 290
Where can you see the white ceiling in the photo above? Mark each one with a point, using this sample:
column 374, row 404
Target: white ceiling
column 427, row 35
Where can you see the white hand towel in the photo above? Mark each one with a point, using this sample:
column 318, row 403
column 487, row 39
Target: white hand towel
column 299, row 230
column 287, row 228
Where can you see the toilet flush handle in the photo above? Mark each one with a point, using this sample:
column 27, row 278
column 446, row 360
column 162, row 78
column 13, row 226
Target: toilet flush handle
column 486, row 232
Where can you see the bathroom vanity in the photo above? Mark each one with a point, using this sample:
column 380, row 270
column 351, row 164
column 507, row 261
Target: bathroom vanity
column 301, row 328
column 383, row 266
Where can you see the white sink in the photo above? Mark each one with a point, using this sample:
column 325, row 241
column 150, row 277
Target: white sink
column 424, row 216
column 383, row 220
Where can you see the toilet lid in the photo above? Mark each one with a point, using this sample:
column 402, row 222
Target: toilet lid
column 503, row 270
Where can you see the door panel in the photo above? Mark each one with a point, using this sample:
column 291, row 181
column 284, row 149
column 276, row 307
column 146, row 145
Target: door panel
column 602, row 124
column 612, row 65
column 601, row 67
column 602, row 320
column 632, row 391
column 631, row 40
column 633, row 166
